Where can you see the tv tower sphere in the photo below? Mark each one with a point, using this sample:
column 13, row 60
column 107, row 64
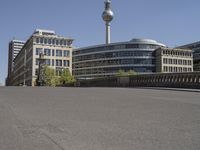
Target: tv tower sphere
column 107, row 14
column 108, row 17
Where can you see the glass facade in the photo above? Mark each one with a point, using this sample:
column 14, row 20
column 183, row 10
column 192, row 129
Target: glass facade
column 107, row 60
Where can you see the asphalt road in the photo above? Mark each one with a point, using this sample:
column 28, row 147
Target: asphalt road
column 98, row 119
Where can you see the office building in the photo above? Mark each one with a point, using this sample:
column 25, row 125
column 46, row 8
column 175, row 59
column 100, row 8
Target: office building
column 14, row 48
column 57, row 52
column 106, row 60
column 195, row 47
column 173, row 60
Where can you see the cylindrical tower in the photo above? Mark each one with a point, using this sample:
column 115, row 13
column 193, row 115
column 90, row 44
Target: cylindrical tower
column 107, row 17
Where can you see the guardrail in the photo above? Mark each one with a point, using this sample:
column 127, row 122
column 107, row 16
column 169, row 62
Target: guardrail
column 172, row 80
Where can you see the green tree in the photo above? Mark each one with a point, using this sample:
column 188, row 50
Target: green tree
column 50, row 78
column 66, row 77
column 131, row 72
column 121, row 73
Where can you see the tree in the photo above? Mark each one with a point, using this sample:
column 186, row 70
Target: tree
column 50, row 78
column 131, row 72
column 121, row 73
column 66, row 77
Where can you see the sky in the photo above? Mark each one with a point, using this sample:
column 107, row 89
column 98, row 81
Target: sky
column 171, row 22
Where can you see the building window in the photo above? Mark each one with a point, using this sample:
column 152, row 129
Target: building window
column 37, row 40
column 58, row 62
column 65, row 42
column 47, row 52
column 41, row 40
column 53, row 41
column 49, row 41
column 61, row 42
column 66, row 53
column 66, row 63
column 189, row 62
column 175, row 60
column 59, row 53
column 48, row 62
column 184, row 69
column 36, row 61
column 36, row 71
column 57, row 42
column 180, row 62
column 52, row 62
column 38, row 51
column 53, row 52
column 164, row 61
column 45, row 41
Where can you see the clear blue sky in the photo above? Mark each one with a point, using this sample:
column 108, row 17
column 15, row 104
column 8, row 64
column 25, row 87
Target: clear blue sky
column 172, row 22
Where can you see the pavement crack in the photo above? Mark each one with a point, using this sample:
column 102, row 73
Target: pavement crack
column 52, row 140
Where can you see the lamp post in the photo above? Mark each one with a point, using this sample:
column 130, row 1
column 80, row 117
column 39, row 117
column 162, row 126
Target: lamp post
column 25, row 69
column 41, row 70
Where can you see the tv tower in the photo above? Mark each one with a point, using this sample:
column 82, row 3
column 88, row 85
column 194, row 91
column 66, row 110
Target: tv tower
column 107, row 17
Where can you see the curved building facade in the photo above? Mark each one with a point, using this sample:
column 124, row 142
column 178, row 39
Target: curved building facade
column 107, row 60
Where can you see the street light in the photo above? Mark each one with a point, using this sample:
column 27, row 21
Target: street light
column 41, row 70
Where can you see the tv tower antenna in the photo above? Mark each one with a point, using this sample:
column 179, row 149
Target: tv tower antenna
column 108, row 16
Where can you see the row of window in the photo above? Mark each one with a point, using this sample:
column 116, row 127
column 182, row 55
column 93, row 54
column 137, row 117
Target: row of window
column 112, row 70
column 57, row 62
column 115, row 47
column 176, row 69
column 51, row 41
column 177, row 53
column 51, row 52
column 113, row 54
column 142, row 46
column 177, row 61
column 114, row 62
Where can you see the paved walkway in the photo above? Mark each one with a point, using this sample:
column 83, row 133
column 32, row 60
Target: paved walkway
column 98, row 119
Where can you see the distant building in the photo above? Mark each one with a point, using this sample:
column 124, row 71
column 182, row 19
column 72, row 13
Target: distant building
column 57, row 52
column 14, row 48
column 173, row 60
column 196, row 53
column 106, row 60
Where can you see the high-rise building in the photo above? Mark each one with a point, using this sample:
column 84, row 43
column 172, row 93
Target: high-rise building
column 195, row 47
column 14, row 48
column 57, row 51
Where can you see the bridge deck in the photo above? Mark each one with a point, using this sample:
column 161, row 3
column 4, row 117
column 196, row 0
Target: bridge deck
column 98, row 119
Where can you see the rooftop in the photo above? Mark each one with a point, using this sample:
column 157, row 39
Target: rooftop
column 44, row 32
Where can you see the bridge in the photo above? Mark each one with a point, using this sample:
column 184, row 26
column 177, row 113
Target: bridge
column 45, row 118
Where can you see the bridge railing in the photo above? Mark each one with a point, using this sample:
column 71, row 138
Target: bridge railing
column 173, row 80
column 177, row 80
